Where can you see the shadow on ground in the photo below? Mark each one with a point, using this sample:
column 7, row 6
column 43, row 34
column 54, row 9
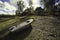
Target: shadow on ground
column 56, row 26
column 21, row 35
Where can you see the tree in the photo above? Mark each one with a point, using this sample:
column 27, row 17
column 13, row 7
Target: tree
column 17, row 12
column 20, row 6
column 39, row 11
column 30, row 3
column 28, row 11
column 49, row 3
column 49, row 6
column 31, row 7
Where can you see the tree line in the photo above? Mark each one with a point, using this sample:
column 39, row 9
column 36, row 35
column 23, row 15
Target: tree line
column 49, row 8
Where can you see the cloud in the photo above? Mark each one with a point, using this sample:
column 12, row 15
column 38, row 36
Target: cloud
column 58, row 2
column 7, row 9
column 37, row 3
column 14, row 2
column 26, row 4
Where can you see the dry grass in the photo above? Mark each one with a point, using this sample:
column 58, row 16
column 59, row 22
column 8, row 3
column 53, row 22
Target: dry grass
column 6, row 24
column 43, row 28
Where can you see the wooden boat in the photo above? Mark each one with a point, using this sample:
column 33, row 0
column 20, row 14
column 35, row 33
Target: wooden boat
column 23, row 25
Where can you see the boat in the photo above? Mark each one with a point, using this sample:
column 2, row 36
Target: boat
column 22, row 25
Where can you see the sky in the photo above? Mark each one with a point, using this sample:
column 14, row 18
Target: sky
column 36, row 3
column 5, row 0
column 11, row 5
column 6, row 8
column 57, row 2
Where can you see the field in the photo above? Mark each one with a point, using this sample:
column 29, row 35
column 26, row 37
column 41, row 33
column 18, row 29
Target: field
column 42, row 28
column 45, row 28
column 7, row 22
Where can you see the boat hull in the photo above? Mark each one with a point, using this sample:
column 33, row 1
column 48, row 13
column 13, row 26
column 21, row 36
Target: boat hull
column 21, row 26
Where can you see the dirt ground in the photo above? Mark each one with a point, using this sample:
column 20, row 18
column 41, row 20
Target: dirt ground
column 43, row 28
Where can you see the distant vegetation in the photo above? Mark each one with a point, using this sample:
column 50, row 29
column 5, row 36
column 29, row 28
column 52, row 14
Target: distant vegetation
column 7, row 16
column 50, row 9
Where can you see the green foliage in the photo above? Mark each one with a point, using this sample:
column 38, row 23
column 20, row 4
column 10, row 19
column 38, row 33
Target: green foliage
column 17, row 12
column 39, row 11
column 30, row 3
column 20, row 6
column 6, row 24
column 28, row 11
column 49, row 6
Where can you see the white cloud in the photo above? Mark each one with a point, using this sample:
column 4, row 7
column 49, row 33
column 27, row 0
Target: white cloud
column 1, row 2
column 37, row 3
column 26, row 4
column 57, row 2
column 10, row 7
column 14, row 2
column 7, row 9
